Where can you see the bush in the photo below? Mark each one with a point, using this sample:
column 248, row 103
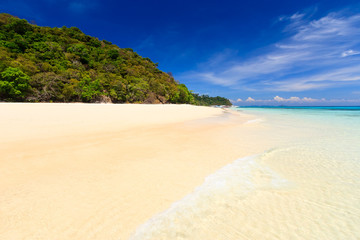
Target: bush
column 14, row 84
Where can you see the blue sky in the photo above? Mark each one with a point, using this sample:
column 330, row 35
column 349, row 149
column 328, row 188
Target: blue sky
column 257, row 52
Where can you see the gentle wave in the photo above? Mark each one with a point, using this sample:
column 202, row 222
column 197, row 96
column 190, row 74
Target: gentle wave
column 221, row 190
column 257, row 120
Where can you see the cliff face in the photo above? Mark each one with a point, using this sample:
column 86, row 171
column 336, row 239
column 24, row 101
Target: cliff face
column 44, row 64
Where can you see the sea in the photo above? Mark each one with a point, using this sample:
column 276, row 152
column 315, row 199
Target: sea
column 305, row 186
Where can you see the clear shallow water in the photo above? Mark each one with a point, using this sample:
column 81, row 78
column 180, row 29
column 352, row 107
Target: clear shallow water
column 305, row 187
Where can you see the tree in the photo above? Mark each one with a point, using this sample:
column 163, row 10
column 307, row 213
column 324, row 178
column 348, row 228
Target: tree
column 81, row 51
column 89, row 90
column 19, row 26
column 206, row 100
column 46, row 86
column 182, row 95
column 14, row 84
column 113, row 54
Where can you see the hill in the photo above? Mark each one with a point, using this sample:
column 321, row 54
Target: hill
column 43, row 64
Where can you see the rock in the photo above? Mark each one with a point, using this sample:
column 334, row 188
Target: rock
column 161, row 99
column 151, row 99
column 104, row 99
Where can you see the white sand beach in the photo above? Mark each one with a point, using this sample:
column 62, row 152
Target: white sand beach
column 159, row 172
column 90, row 171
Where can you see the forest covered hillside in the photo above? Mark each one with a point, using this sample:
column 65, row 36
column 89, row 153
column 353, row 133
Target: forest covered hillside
column 43, row 64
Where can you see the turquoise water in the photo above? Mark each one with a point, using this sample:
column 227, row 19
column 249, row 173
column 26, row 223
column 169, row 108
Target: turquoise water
column 341, row 116
column 336, row 108
column 305, row 186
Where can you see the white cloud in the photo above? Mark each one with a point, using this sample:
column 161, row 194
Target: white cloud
column 297, row 16
column 350, row 53
column 239, row 100
column 278, row 99
column 313, row 57
column 294, row 99
column 331, row 27
column 250, row 99
column 297, row 101
column 306, row 99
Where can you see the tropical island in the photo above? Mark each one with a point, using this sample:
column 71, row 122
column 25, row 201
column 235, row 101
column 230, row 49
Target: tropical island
column 156, row 164
column 44, row 64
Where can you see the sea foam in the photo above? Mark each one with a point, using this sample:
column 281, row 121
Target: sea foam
column 220, row 192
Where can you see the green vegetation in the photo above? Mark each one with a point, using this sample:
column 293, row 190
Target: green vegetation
column 43, row 64
column 205, row 100
column 14, row 83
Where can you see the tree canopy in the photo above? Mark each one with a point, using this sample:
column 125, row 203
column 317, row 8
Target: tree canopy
column 206, row 100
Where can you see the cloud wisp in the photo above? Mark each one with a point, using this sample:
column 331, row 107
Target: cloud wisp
column 320, row 53
column 350, row 53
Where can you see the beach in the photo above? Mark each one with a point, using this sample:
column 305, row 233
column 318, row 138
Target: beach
column 92, row 171
column 88, row 171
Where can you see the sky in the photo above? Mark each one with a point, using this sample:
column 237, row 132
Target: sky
column 258, row 52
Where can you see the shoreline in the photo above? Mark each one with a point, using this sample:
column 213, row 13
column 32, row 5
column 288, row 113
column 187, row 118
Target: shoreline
column 165, row 172
column 71, row 165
